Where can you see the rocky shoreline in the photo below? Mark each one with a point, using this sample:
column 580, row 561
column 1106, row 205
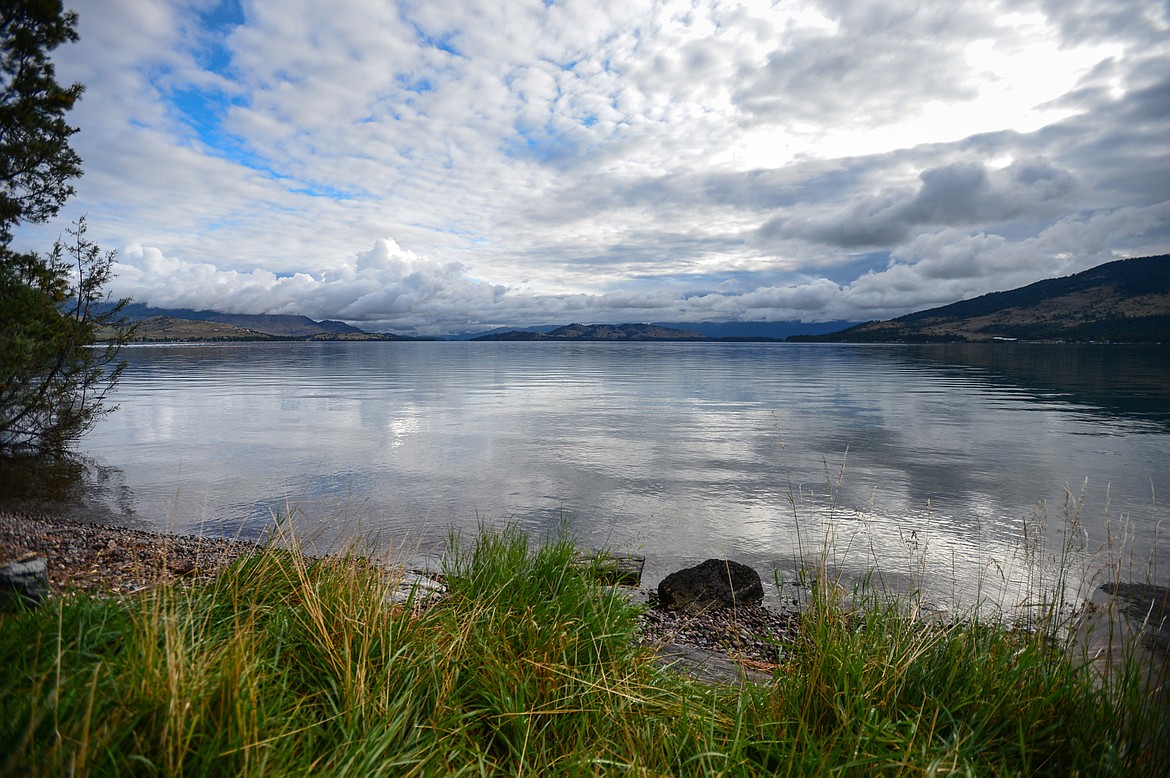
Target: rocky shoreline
column 723, row 644
column 101, row 558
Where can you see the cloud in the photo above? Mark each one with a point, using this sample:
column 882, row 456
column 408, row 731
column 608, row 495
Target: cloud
column 954, row 195
column 1081, row 21
column 434, row 167
column 871, row 64
column 383, row 284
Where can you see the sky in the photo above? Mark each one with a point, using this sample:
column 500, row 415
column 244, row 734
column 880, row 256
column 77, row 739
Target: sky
column 455, row 165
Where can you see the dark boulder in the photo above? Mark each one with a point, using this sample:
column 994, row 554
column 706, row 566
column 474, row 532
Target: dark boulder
column 716, row 583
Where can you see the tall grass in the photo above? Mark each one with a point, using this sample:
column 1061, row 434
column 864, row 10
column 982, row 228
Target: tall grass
column 291, row 665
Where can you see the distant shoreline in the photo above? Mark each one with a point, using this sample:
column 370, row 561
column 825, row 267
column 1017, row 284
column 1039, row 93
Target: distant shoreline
column 794, row 340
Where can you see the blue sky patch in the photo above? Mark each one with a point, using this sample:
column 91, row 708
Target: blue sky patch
column 444, row 42
column 218, row 23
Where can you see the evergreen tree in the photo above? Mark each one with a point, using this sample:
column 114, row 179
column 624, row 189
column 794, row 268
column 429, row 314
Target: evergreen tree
column 52, row 382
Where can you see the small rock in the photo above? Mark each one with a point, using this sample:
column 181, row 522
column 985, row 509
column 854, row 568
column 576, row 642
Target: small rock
column 613, row 570
column 181, row 566
column 417, row 589
column 26, row 582
column 716, row 583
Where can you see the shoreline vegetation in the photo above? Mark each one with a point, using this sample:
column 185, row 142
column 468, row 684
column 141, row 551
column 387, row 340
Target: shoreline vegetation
column 170, row 654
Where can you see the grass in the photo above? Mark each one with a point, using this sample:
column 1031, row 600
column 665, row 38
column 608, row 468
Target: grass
column 290, row 665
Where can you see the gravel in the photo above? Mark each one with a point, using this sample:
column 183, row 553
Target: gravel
column 753, row 636
column 104, row 559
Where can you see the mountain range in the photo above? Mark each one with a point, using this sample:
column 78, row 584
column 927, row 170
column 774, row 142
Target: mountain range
column 1126, row 301
column 1123, row 301
column 715, row 330
column 182, row 324
column 600, row 332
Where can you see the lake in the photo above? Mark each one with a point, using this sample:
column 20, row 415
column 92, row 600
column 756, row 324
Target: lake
column 935, row 466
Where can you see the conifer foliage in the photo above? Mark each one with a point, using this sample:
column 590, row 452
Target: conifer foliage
column 53, row 381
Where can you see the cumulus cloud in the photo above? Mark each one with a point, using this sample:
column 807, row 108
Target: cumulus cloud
column 382, row 284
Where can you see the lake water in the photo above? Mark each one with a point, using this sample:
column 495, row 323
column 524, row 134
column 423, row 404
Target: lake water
column 923, row 463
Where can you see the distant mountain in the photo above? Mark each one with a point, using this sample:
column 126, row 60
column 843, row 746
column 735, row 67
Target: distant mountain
column 779, row 330
column 476, row 335
column 287, row 325
column 155, row 324
column 730, row 330
column 155, row 329
column 607, row 332
column 1127, row 301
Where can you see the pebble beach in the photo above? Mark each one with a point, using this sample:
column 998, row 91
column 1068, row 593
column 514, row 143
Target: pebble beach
column 722, row 644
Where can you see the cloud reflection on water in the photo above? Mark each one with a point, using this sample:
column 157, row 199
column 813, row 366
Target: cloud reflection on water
column 683, row 451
